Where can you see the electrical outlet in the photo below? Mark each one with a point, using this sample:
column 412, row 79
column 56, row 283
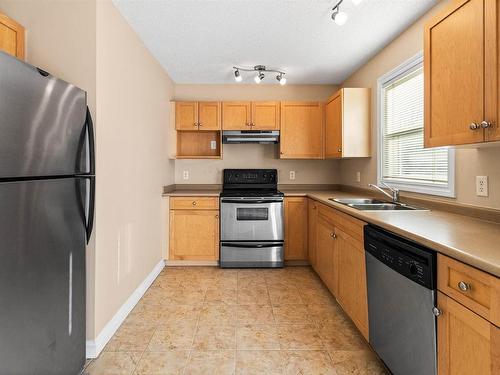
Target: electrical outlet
column 358, row 176
column 213, row 145
column 292, row 175
column 482, row 186
column 185, row 175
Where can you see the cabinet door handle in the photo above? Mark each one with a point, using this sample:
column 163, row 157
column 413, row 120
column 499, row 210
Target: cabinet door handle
column 486, row 124
column 194, row 203
column 436, row 311
column 463, row 286
column 248, row 124
column 195, row 124
column 333, row 235
column 199, row 124
column 216, row 216
column 474, row 126
column 339, row 150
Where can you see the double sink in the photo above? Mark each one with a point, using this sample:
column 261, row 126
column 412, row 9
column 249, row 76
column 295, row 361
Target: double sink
column 368, row 204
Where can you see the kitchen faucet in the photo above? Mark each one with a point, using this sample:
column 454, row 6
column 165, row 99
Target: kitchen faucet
column 394, row 192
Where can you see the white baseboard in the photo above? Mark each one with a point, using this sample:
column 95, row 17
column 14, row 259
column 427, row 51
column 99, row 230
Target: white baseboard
column 94, row 347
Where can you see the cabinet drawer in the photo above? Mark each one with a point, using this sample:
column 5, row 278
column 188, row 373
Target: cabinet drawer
column 347, row 223
column 194, row 203
column 475, row 289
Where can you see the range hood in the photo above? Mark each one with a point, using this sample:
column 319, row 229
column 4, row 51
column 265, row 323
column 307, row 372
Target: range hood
column 251, row 136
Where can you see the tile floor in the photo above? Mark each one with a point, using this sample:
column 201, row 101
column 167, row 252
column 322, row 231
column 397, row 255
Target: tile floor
column 209, row 321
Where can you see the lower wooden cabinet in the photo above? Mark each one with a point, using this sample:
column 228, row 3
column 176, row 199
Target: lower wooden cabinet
column 352, row 289
column 194, row 231
column 295, row 228
column 326, row 254
column 467, row 343
column 312, row 220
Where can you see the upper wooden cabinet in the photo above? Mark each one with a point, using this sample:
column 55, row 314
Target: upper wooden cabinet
column 197, row 116
column 295, row 228
column 11, row 37
column 250, row 115
column 347, row 124
column 461, row 63
column 301, row 135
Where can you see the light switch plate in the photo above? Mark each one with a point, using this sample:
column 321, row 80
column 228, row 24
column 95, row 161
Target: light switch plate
column 185, row 175
column 292, row 175
column 358, row 176
column 213, row 145
column 482, row 186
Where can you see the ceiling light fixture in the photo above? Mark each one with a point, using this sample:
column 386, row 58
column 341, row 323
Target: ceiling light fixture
column 260, row 69
column 339, row 17
column 237, row 76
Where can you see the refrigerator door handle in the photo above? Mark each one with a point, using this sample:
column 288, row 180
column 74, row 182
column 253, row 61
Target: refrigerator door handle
column 90, row 207
column 91, row 148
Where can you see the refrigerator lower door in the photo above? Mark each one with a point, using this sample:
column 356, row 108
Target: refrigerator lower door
column 44, row 125
column 42, row 277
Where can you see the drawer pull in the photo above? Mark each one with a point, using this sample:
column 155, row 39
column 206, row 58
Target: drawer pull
column 194, row 203
column 463, row 286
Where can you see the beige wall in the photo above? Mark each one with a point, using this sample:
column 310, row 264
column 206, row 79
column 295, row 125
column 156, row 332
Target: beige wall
column 469, row 162
column 61, row 39
column 133, row 92
column 255, row 156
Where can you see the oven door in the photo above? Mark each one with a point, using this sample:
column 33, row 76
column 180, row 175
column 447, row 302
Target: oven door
column 252, row 219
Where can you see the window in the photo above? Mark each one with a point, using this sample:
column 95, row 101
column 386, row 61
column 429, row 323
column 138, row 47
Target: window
column 403, row 162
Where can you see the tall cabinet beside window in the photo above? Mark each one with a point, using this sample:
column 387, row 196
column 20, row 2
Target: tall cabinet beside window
column 461, row 74
column 347, row 124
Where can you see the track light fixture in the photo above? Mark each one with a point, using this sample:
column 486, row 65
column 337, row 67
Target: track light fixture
column 260, row 69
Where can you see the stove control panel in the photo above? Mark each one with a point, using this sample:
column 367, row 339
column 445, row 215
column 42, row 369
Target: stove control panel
column 250, row 176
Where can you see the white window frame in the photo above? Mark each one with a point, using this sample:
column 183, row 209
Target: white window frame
column 416, row 187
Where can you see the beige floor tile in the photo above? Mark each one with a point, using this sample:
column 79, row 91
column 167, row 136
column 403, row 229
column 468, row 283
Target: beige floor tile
column 256, row 336
column 312, row 296
column 215, row 337
column 114, row 363
column 185, row 296
column 222, row 295
column 216, row 362
column 224, row 282
column 341, row 335
column 251, row 282
column 362, row 362
column 176, row 313
column 255, row 314
column 299, row 337
column 131, row 338
column 325, row 312
column 162, row 363
column 291, row 314
column 173, row 336
column 145, row 315
column 259, row 362
column 214, row 314
column 284, row 296
column 253, row 296
column 305, row 362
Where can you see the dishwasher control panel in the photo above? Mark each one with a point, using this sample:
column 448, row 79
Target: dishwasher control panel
column 404, row 256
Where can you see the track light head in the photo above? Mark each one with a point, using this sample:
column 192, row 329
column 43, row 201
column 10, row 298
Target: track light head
column 259, row 77
column 281, row 79
column 237, row 76
column 339, row 17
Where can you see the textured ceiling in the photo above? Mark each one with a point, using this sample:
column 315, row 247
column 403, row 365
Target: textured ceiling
column 198, row 41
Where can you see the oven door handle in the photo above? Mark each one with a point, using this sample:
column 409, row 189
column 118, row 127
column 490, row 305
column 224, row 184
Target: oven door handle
column 252, row 202
column 251, row 245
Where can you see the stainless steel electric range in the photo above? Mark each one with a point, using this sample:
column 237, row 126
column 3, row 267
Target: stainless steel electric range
column 251, row 212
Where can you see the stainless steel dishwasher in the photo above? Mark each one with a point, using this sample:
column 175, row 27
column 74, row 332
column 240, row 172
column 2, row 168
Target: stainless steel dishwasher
column 401, row 279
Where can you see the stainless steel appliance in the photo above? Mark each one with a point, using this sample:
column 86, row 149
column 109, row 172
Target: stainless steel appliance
column 251, row 219
column 251, row 136
column 401, row 278
column 46, row 204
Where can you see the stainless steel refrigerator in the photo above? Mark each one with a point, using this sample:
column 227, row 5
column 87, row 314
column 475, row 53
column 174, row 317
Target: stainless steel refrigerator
column 46, row 217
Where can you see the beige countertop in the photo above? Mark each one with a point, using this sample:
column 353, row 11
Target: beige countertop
column 472, row 241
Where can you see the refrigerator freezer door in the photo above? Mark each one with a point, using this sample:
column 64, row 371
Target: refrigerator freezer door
column 42, row 125
column 42, row 277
